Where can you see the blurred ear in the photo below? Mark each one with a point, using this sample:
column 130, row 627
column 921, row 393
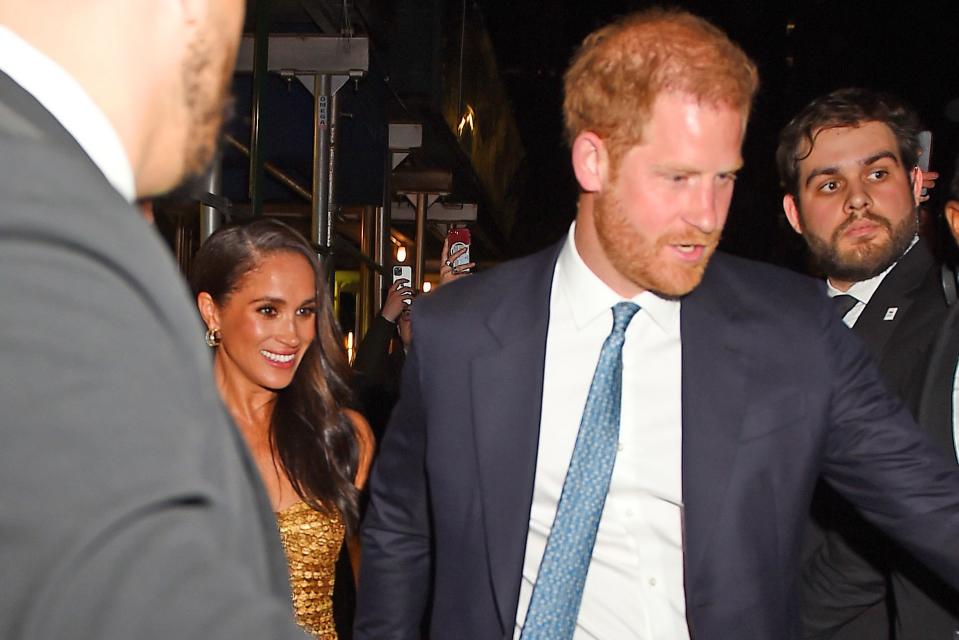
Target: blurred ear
column 208, row 310
column 952, row 218
column 590, row 161
column 792, row 212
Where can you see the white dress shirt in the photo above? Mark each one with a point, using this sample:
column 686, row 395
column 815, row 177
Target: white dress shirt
column 71, row 105
column 955, row 408
column 634, row 588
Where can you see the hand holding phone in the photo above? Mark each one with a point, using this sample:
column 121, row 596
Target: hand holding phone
column 455, row 256
column 402, row 287
column 458, row 241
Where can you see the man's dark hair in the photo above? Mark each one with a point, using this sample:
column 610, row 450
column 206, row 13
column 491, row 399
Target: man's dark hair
column 848, row 107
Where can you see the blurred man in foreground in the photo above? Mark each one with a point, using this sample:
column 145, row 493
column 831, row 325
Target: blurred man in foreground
column 130, row 508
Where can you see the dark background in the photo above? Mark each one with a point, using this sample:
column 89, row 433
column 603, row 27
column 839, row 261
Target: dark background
column 907, row 48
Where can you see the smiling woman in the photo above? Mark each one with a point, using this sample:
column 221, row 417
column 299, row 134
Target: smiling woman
column 282, row 373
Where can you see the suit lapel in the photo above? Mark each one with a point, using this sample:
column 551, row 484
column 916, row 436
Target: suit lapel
column 507, row 392
column 714, row 351
column 891, row 301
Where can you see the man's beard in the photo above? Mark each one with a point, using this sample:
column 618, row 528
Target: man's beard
column 865, row 260
column 208, row 105
column 639, row 258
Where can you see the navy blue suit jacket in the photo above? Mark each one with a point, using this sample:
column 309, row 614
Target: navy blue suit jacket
column 775, row 390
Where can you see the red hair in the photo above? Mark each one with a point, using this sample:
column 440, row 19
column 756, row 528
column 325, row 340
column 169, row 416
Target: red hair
column 620, row 69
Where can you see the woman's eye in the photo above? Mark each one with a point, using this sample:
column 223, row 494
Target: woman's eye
column 306, row 311
column 267, row 311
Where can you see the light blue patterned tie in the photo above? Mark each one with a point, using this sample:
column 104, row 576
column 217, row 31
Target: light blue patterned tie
column 558, row 592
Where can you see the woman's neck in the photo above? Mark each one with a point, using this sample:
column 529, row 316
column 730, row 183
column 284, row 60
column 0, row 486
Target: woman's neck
column 250, row 404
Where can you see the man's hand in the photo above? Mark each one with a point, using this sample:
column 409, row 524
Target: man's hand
column 928, row 182
column 399, row 293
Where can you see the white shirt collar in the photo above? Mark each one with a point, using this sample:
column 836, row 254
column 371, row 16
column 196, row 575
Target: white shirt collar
column 865, row 289
column 71, row 105
column 589, row 297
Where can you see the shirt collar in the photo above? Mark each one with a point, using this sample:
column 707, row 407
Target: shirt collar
column 71, row 105
column 865, row 289
column 589, row 297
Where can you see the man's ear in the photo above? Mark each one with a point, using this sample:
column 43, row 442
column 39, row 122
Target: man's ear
column 208, row 310
column 792, row 212
column 952, row 218
column 916, row 184
column 590, row 161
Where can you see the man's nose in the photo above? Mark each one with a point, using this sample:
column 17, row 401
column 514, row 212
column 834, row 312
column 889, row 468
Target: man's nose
column 857, row 198
column 704, row 210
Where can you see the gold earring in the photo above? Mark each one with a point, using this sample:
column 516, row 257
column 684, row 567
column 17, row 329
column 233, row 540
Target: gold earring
column 212, row 338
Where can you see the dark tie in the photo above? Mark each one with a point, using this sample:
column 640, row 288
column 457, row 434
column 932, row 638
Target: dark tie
column 558, row 592
column 844, row 303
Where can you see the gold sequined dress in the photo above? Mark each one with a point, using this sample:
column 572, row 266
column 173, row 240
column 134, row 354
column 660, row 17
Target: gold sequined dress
column 312, row 542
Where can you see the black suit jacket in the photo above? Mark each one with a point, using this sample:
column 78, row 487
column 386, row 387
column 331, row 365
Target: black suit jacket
column 774, row 391
column 903, row 345
column 847, row 576
column 926, row 607
column 376, row 382
column 129, row 507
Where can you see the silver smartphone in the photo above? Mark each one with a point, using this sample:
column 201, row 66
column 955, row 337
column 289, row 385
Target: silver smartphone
column 403, row 272
column 925, row 154
column 925, row 149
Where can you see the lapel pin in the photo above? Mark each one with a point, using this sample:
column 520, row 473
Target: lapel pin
column 890, row 313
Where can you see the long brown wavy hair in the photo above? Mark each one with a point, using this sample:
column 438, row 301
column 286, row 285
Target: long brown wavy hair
column 309, row 433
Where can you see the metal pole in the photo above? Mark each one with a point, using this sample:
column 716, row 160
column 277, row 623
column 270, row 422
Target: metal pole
column 420, row 240
column 367, row 291
column 331, row 170
column 381, row 242
column 321, row 161
column 382, row 247
column 210, row 218
column 272, row 169
column 261, row 51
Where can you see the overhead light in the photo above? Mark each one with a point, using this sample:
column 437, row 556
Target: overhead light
column 427, row 286
column 401, row 253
